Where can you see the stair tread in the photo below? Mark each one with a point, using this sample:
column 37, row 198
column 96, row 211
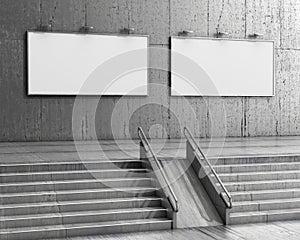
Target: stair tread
column 125, row 189
column 81, row 213
column 265, row 212
column 84, row 225
column 69, row 162
column 114, row 179
column 255, row 156
column 261, row 181
column 257, row 164
column 55, row 203
column 74, row 171
column 280, row 200
column 257, row 173
column 265, row 191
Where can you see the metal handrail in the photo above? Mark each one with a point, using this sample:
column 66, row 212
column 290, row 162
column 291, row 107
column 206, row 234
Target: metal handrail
column 143, row 139
column 186, row 130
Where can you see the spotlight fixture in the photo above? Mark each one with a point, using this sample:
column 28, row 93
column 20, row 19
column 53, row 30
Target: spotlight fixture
column 185, row 32
column 255, row 35
column 86, row 29
column 127, row 30
column 221, row 34
column 45, row 28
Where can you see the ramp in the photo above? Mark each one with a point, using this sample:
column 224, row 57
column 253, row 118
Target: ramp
column 196, row 208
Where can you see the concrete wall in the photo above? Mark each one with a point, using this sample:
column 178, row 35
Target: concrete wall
column 25, row 118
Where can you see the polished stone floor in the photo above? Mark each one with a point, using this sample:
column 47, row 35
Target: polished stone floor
column 22, row 152
column 270, row 231
column 91, row 150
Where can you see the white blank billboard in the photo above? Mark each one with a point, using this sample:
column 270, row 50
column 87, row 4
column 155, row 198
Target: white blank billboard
column 86, row 64
column 226, row 67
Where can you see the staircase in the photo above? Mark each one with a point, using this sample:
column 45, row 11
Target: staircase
column 65, row 199
column 263, row 189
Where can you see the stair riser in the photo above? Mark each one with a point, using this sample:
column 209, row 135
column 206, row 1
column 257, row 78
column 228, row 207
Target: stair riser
column 88, row 231
column 253, row 160
column 120, row 229
column 78, row 207
column 262, row 186
column 71, row 176
column 257, row 177
column 69, row 167
column 52, row 186
column 265, row 218
column 62, row 220
column 257, row 168
column 265, row 196
column 266, row 206
column 74, row 196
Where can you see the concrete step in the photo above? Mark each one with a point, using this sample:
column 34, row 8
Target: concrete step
column 70, row 165
column 70, row 230
column 265, row 205
column 265, row 194
column 72, row 198
column 264, row 216
column 254, row 159
column 79, row 205
column 263, row 189
column 71, row 174
column 261, row 167
column 255, row 176
column 262, row 185
column 82, row 194
column 75, row 184
column 64, row 218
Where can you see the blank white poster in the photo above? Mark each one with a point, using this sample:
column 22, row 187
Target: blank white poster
column 221, row 67
column 87, row 64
